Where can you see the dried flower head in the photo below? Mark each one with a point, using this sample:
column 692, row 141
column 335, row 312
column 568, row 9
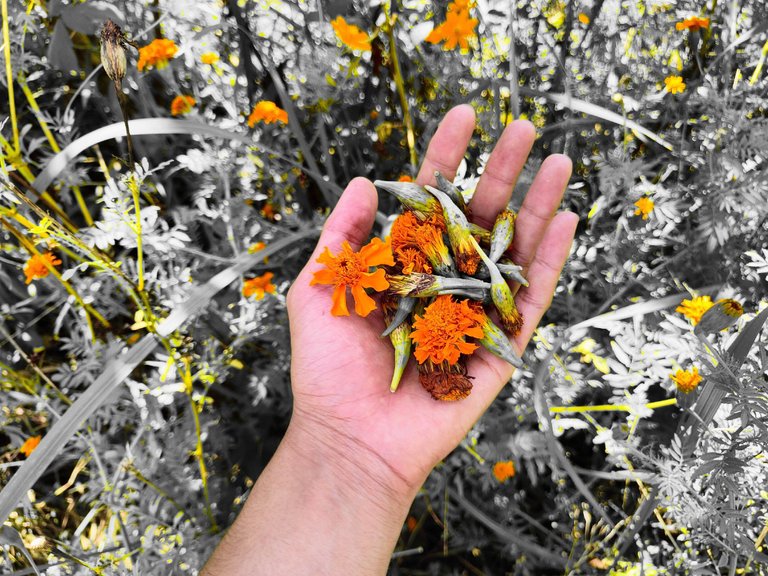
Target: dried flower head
column 182, row 105
column 351, row 269
column 400, row 337
column 29, row 445
column 267, row 112
column 259, row 286
column 36, row 267
column 440, row 333
column 695, row 308
column 459, row 234
column 113, row 46
column 156, row 54
column 503, row 471
column 350, row 35
column 445, row 382
column 686, row 381
column 723, row 314
column 413, row 197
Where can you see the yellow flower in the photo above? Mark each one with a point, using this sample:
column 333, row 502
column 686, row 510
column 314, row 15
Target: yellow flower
column 686, row 381
column 674, row 84
column 209, row 58
column 585, row 348
column 503, row 471
column 36, row 265
column 644, row 206
column 694, row 308
column 694, row 24
column 350, row 35
column 182, row 105
column 156, row 54
column 584, row 19
column 29, row 445
column 259, row 286
column 350, row 269
column 267, row 112
column 439, row 333
column 457, row 29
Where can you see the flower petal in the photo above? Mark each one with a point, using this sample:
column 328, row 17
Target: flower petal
column 323, row 276
column 339, row 298
column 376, row 280
column 377, row 252
column 364, row 304
column 326, row 257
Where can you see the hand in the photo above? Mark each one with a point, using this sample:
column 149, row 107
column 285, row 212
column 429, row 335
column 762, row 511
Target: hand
column 341, row 368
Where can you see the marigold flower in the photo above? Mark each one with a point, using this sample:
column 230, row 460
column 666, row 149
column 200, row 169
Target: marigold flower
column 674, row 84
column 350, row 269
column 462, row 242
column 259, row 286
column 29, row 445
column 440, row 332
column 445, row 382
column 584, row 19
column 405, row 178
column 457, row 29
column 156, row 54
column 113, row 44
column 694, row 24
column 350, row 35
column 209, row 58
column 415, row 242
column 182, row 105
column 644, row 206
column 503, row 471
column 267, row 112
column 36, row 265
column 686, row 381
column 694, row 308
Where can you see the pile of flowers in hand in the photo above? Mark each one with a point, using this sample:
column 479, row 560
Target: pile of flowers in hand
column 440, row 277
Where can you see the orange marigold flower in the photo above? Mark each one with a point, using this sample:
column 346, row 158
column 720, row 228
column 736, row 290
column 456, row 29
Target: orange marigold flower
column 584, row 19
column 504, row 470
column 35, row 266
column 405, row 178
column 686, row 381
column 457, row 29
column 644, row 206
column 445, row 382
column 259, row 286
column 350, row 35
column 694, row 24
column 267, row 112
column 156, row 54
column 182, row 105
column 674, row 84
column 29, row 445
column 694, row 308
column 350, row 269
column 209, row 58
column 439, row 333
column 459, row 5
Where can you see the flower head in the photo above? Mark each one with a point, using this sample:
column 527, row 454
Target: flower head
column 209, row 58
column 156, row 54
column 440, row 332
column 445, row 382
column 644, row 206
column 36, row 265
column 415, row 242
column 267, row 112
column 113, row 44
column 259, row 286
column 350, row 35
column 674, row 84
column 686, row 381
column 350, row 269
column 694, row 308
column 405, row 178
column 584, row 18
column 694, row 24
column 29, row 445
column 503, row 471
column 457, row 29
column 182, row 105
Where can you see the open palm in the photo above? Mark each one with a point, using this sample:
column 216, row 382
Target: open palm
column 341, row 368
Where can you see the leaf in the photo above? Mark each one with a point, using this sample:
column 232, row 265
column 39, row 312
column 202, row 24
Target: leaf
column 61, row 54
column 741, row 346
column 88, row 18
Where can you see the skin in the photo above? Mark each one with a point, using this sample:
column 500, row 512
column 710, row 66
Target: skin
column 334, row 497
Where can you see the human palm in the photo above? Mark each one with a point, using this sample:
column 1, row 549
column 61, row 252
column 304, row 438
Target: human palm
column 341, row 368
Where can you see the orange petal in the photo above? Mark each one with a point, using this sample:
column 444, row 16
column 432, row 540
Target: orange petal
column 339, row 298
column 377, row 252
column 326, row 257
column 364, row 304
column 376, row 280
column 323, row 276
column 476, row 332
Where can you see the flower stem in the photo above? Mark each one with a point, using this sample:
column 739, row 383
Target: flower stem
column 409, row 133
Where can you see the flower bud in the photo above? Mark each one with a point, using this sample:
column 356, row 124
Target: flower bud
column 452, row 191
column 411, row 196
column 113, row 50
column 420, row 285
column 501, row 295
column 502, row 233
column 405, row 306
column 724, row 314
column 497, row 343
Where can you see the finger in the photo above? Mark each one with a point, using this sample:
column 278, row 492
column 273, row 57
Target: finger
column 544, row 273
column 539, row 207
column 447, row 147
column 504, row 166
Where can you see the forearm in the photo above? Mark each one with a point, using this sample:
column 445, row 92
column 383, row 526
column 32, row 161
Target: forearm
column 311, row 514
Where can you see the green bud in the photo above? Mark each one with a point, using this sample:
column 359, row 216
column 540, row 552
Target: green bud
column 411, row 196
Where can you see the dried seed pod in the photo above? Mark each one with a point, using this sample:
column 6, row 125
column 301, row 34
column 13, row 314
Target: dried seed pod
column 445, row 382
column 113, row 45
column 497, row 343
column 480, row 233
column 459, row 233
column 451, row 190
column 502, row 234
column 419, row 285
column 399, row 335
column 405, row 306
column 411, row 196
column 502, row 296
column 508, row 270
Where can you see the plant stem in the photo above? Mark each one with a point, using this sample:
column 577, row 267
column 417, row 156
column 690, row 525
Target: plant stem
column 409, row 133
column 9, row 76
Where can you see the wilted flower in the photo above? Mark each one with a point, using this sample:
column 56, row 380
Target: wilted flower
column 445, row 382
column 694, row 24
column 36, row 267
column 156, row 54
column 182, row 105
column 350, row 35
column 457, row 29
column 113, row 45
column 414, row 242
column 259, row 286
column 420, row 285
column 350, row 269
column 503, row 471
column 440, row 332
column 209, row 58
column 723, row 314
column 694, row 308
column 29, row 445
column 686, row 381
column 674, row 84
column 267, row 112
column 644, row 207
column 459, row 234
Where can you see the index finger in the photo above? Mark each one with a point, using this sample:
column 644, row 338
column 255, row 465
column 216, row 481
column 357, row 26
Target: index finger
column 447, row 147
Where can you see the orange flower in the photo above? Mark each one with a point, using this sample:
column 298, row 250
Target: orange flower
column 35, row 266
column 182, row 105
column 267, row 112
column 209, row 58
column 445, row 382
column 259, row 286
column 504, row 470
column 439, row 333
column 29, row 445
column 457, row 29
column 694, row 308
column 405, row 178
column 156, row 54
column 350, row 35
column 350, row 269
column 418, row 245
column 686, row 381
column 694, row 24
column 584, row 19
column 674, row 84
column 644, row 206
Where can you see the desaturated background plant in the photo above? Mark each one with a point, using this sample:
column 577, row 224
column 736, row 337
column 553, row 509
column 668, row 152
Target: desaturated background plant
column 144, row 352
